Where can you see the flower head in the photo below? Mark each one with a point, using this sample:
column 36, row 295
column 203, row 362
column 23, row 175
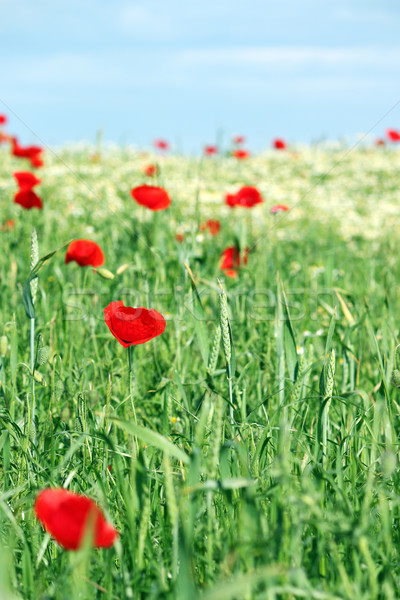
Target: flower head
column 28, row 199
column 155, row 198
column 150, row 170
column 393, row 135
column 278, row 208
column 161, row 144
column 133, row 326
column 213, row 226
column 7, row 225
column 231, row 258
column 210, row 150
column 85, row 253
column 26, row 180
column 238, row 139
column 231, row 273
column 248, row 196
column 33, row 153
column 68, row 518
column 279, row 144
column 241, row 154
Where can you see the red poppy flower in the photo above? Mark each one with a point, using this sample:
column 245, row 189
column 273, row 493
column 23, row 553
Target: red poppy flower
column 36, row 159
column 26, row 180
column 380, row 142
column 150, row 170
column 210, row 150
column 230, row 200
column 231, row 258
column 180, row 237
column 28, row 199
column 155, row 198
column 133, row 326
column 248, row 196
column 231, row 273
column 393, row 135
column 85, row 253
column 67, row 517
column 278, row 207
column 8, row 224
column 4, row 137
column 238, row 139
column 161, row 144
column 241, row 154
column 214, row 227
column 279, row 144
column 3, row 119
column 33, row 153
column 21, row 152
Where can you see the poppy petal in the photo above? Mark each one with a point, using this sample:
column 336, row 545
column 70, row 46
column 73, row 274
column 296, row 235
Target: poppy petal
column 26, row 180
column 279, row 207
column 28, row 199
column 279, row 144
column 248, row 196
column 241, row 154
column 155, row 198
column 393, row 135
column 133, row 326
column 67, row 516
column 85, row 253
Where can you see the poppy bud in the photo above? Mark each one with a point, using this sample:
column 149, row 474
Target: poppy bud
column 105, row 273
column 122, row 268
column 39, row 378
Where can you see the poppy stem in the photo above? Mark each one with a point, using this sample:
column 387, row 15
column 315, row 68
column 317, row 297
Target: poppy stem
column 132, row 382
column 33, row 354
column 32, row 345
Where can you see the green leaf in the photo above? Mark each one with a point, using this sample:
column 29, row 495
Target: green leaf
column 26, row 292
column 289, row 339
column 328, row 346
column 200, row 318
column 152, row 438
column 331, row 330
column 279, row 343
column 14, row 350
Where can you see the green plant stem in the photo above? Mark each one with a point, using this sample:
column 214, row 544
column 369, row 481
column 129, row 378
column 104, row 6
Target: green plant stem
column 32, row 346
column 230, row 382
column 132, row 391
column 132, row 382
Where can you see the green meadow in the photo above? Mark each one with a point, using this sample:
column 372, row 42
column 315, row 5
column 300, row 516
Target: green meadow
column 260, row 464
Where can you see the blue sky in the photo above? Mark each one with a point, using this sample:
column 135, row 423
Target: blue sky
column 185, row 69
